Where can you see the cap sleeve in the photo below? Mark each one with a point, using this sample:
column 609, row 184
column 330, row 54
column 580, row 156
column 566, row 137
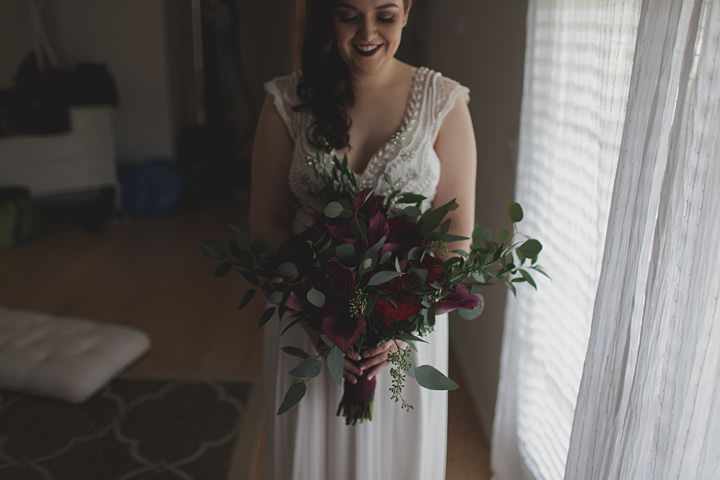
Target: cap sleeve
column 447, row 93
column 283, row 92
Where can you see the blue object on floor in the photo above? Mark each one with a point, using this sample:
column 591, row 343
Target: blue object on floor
column 152, row 188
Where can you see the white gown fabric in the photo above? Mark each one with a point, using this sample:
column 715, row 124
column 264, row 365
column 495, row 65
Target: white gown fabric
column 309, row 442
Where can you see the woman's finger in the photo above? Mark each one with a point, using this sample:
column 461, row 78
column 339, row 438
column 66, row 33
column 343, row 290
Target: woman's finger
column 371, row 362
column 374, row 371
column 349, row 377
column 371, row 352
column 352, row 368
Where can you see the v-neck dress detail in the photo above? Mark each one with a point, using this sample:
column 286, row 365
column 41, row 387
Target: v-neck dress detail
column 309, row 442
column 409, row 118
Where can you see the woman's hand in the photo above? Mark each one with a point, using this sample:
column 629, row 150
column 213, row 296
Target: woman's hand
column 375, row 359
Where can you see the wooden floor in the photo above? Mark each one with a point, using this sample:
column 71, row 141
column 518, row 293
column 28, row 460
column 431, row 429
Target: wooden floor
column 150, row 274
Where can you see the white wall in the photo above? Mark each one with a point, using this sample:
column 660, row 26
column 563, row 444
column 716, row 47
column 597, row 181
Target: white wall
column 130, row 38
column 481, row 44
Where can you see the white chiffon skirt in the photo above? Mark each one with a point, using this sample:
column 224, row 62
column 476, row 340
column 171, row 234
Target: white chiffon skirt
column 309, row 442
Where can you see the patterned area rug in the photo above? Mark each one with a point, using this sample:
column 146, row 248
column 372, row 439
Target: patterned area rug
column 134, row 429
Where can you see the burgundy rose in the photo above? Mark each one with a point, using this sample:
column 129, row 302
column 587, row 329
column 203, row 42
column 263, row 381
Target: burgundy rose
column 461, row 298
column 402, row 237
column 337, row 283
column 406, row 305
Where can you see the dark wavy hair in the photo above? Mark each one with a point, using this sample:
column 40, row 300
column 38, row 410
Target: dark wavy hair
column 325, row 88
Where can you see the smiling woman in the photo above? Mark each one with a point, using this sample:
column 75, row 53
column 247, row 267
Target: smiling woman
column 401, row 127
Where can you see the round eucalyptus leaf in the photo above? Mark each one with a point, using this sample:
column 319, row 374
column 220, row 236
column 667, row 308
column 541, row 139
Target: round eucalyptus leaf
column 288, row 269
column 333, row 210
column 531, row 248
column 431, row 378
column 345, row 251
column 316, row 297
column 276, row 298
column 516, row 212
column 308, row 368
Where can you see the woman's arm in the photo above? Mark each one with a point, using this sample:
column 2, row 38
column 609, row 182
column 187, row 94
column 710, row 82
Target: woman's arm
column 271, row 201
column 455, row 146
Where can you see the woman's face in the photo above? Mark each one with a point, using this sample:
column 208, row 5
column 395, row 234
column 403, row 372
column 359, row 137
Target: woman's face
column 368, row 32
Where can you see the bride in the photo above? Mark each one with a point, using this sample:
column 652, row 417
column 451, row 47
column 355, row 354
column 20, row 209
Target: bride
column 353, row 97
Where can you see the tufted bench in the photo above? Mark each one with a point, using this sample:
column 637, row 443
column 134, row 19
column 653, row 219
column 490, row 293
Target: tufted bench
column 63, row 357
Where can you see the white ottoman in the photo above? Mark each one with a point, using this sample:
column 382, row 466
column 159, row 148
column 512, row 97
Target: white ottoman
column 62, row 357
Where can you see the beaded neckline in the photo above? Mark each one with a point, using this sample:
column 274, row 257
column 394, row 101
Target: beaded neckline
column 390, row 148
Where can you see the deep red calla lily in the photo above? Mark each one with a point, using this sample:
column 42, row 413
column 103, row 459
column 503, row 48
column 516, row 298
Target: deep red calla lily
column 343, row 330
column 461, row 298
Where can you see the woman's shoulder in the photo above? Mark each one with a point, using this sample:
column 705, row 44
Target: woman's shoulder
column 284, row 86
column 442, row 91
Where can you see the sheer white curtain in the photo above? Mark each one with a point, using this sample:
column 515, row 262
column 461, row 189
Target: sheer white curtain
column 644, row 99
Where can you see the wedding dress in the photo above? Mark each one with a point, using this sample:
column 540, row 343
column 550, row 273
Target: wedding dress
column 309, row 442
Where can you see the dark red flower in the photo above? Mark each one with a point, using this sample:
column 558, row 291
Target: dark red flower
column 342, row 329
column 367, row 203
column 407, row 304
column 434, row 267
column 461, row 298
column 402, row 237
column 377, row 228
column 337, row 283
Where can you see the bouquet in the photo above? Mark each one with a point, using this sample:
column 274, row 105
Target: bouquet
column 371, row 268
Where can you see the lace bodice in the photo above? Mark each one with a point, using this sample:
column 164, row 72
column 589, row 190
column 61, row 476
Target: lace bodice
column 408, row 157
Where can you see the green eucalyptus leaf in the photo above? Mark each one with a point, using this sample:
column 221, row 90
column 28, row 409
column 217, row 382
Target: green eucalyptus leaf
column 222, row 269
column 212, row 249
column 530, row 249
column 421, row 273
column 383, row 277
column 431, row 378
column 295, row 352
column 481, row 233
column 415, row 253
column 249, row 295
column 540, row 269
column 336, row 363
column 308, row 368
column 316, row 298
column 345, row 251
column 411, row 198
column 294, row 394
column 412, row 211
column 250, row 277
column 276, row 298
column 333, row 210
column 266, row 316
column 386, row 256
column 528, row 278
column 288, row 269
column 516, row 212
